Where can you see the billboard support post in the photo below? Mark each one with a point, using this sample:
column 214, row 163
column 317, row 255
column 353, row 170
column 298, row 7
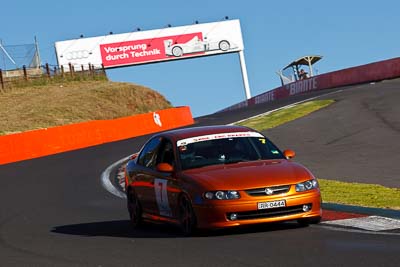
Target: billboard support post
column 244, row 75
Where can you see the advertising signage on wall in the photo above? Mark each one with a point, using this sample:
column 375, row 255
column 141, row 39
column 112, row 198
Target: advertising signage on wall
column 148, row 50
column 117, row 50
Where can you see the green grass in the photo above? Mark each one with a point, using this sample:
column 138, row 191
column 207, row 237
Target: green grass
column 367, row 195
column 282, row 116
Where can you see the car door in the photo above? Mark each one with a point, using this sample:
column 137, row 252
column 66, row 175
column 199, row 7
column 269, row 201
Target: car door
column 166, row 185
column 144, row 177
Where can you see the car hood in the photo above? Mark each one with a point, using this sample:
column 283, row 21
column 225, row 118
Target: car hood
column 246, row 175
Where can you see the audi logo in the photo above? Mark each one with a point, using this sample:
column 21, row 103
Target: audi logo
column 80, row 54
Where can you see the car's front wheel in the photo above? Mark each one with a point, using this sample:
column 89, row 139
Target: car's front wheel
column 187, row 216
column 177, row 51
column 134, row 208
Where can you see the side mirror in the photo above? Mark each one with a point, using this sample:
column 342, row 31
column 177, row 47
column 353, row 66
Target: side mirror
column 164, row 167
column 289, row 153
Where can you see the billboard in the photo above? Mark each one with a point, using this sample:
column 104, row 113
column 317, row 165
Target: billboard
column 141, row 47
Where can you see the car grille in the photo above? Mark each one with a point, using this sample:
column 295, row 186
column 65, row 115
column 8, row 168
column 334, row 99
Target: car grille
column 269, row 213
column 262, row 191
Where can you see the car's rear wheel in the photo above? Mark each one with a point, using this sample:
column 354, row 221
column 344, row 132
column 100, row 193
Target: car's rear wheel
column 134, row 208
column 224, row 45
column 187, row 216
column 308, row 221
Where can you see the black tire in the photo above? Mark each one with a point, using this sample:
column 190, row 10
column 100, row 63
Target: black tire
column 134, row 208
column 187, row 217
column 308, row 221
column 224, row 45
column 177, row 51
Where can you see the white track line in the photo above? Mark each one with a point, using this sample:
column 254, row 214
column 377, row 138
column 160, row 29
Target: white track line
column 106, row 181
column 370, row 223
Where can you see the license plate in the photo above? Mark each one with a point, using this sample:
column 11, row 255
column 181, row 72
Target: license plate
column 271, row 204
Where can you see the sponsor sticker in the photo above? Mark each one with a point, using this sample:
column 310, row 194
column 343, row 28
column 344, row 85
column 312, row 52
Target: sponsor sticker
column 160, row 187
column 157, row 119
column 202, row 138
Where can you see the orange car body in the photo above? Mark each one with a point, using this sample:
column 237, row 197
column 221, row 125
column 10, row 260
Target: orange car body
column 254, row 191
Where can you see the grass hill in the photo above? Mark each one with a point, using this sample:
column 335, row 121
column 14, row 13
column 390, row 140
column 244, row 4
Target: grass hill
column 33, row 107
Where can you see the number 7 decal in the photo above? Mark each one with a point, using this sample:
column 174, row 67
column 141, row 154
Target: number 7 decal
column 160, row 187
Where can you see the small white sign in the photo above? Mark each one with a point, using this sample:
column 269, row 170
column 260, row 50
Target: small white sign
column 157, row 119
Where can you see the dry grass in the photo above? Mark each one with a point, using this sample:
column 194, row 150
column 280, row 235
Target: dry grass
column 63, row 103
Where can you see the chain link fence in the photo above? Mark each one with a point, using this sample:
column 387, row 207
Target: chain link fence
column 20, row 66
column 13, row 57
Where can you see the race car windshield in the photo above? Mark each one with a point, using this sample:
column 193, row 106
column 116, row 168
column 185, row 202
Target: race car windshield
column 227, row 151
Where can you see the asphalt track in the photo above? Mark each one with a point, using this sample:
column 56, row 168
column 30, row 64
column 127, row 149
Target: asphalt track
column 357, row 139
column 54, row 211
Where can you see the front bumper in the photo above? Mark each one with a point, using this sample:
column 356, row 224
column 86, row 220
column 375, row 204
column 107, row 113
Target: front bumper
column 217, row 215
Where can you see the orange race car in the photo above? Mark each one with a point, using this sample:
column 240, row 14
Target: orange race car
column 218, row 176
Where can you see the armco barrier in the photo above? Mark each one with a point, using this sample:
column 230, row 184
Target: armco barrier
column 387, row 69
column 43, row 142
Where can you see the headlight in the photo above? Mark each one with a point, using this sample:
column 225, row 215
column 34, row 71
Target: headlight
column 307, row 185
column 231, row 194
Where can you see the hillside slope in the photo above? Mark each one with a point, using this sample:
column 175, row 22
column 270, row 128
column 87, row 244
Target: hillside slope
column 36, row 107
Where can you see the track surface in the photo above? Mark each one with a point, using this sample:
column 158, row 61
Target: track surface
column 356, row 139
column 54, row 212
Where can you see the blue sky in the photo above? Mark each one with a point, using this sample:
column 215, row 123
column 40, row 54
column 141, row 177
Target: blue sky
column 346, row 33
